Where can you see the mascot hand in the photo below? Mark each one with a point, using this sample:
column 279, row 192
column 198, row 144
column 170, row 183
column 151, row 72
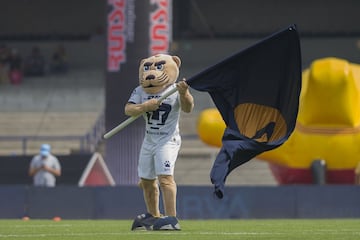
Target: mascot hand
column 182, row 87
column 151, row 105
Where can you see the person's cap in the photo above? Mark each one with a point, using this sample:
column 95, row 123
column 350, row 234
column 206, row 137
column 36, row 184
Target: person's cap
column 45, row 149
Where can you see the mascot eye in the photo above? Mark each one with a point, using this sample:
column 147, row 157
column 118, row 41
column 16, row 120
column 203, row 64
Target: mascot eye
column 146, row 68
column 159, row 67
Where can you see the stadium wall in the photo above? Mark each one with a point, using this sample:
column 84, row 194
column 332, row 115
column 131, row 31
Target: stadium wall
column 201, row 18
column 194, row 202
column 195, row 54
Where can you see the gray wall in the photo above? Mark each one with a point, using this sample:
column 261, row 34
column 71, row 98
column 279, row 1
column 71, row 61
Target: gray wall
column 198, row 54
column 241, row 22
column 207, row 18
column 229, row 18
column 44, row 17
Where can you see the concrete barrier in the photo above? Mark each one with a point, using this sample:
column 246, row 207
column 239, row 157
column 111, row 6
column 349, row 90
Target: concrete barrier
column 194, row 202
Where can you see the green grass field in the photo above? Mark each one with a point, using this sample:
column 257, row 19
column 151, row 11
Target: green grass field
column 288, row 229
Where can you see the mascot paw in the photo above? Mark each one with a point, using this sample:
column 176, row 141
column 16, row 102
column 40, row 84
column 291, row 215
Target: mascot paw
column 167, row 223
column 144, row 222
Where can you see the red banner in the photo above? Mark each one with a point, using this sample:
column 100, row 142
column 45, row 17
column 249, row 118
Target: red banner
column 160, row 26
column 121, row 23
column 116, row 35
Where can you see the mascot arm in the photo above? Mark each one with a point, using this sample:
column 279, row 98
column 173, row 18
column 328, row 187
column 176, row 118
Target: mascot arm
column 134, row 110
column 186, row 99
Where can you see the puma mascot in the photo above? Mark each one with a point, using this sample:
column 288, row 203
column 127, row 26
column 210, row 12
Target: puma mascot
column 159, row 150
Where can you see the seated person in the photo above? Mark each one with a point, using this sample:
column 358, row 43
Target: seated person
column 4, row 64
column 16, row 68
column 34, row 64
column 59, row 61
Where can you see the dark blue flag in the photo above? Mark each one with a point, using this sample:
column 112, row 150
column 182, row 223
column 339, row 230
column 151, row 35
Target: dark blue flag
column 257, row 93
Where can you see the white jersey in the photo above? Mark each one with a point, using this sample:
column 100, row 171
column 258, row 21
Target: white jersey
column 162, row 125
column 42, row 177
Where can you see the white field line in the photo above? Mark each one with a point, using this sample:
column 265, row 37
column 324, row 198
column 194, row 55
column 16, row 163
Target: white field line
column 41, row 226
column 39, row 235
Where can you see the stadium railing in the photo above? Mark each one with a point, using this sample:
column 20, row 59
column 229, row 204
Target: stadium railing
column 87, row 143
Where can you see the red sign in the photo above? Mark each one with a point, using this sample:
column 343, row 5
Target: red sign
column 116, row 36
column 160, row 22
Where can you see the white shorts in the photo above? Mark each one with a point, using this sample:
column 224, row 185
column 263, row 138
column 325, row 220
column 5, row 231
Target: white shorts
column 155, row 160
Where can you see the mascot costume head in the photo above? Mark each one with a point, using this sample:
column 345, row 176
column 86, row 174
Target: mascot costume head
column 156, row 73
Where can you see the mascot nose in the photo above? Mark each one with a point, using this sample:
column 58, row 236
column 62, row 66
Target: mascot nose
column 150, row 77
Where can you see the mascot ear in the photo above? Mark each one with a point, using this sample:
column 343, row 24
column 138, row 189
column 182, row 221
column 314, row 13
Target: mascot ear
column 142, row 61
column 177, row 60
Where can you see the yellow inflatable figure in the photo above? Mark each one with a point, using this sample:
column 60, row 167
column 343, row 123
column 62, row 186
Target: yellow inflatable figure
column 328, row 126
column 210, row 127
